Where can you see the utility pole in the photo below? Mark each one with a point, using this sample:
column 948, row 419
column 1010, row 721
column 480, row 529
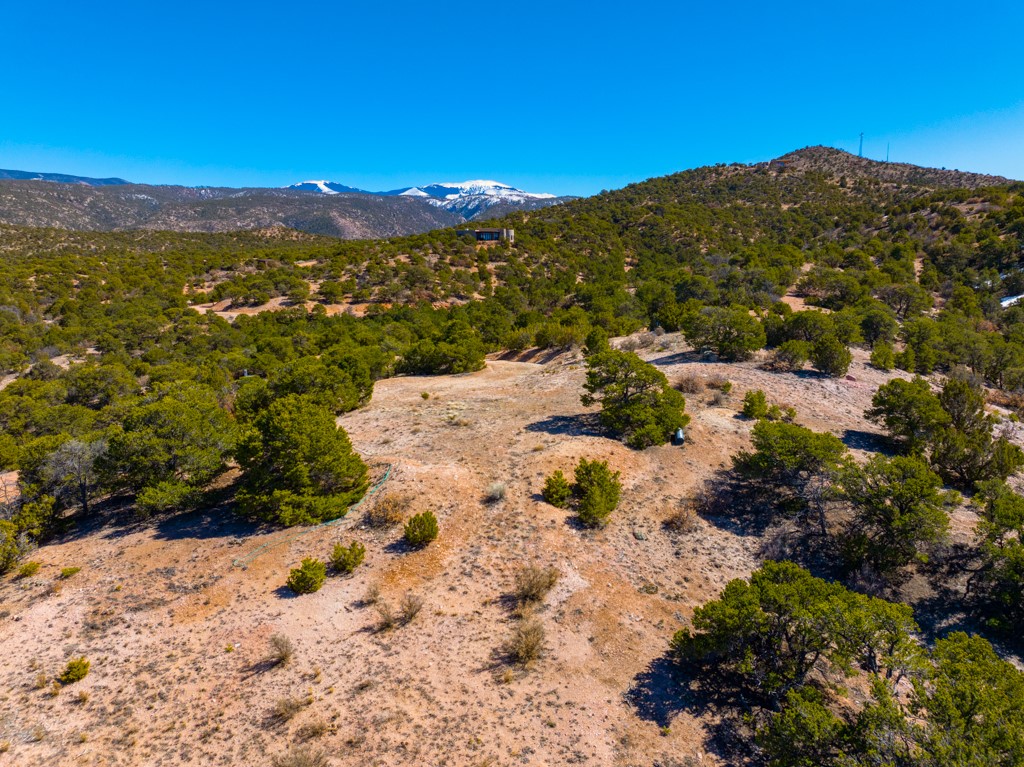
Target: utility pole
column 860, row 152
column 887, row 153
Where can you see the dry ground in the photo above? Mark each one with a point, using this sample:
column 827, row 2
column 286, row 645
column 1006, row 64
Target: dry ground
column 178, row 637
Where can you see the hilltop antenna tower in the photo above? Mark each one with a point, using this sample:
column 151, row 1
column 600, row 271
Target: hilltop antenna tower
column 860, row 152
column 887, row 153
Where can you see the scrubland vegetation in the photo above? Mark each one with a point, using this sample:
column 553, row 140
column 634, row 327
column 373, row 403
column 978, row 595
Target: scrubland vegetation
column 122, row 404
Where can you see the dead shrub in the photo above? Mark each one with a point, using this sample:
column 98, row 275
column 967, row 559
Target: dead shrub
column 495, row 492
column 281, row 650
column 689, row 384
column 311, row 730
column 409, row 607
column 387, row 617
column 527, row 642
column 302, row 757
column 1010, row 400
column 681, row 519
column 287, row 708
column 718, row 383
column 639, row 341
column 372, row 595
column 388, row 511
column 534, row 582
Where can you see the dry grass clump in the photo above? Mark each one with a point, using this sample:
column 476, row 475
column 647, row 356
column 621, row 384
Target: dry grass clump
column 389, row 510
column 311, row 730
column 372, row 595
column 681, row 518
column 287, row 708
column 526, row 645
column 409, row 607
column 302, row 757
column 718, row 383
column 496, row 491
column 386, row 614
column 281, row 650
column 534, row 582
column 689, row 384
column 638, row 341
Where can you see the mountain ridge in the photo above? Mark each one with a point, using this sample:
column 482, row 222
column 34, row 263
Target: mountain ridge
column 346, row 212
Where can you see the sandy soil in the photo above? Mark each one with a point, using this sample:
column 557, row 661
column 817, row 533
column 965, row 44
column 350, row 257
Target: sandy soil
column 178, row 637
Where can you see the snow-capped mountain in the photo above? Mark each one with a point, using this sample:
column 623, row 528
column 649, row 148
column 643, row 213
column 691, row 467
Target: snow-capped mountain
column 451, row 190
column 468, row 199
column 326, row 187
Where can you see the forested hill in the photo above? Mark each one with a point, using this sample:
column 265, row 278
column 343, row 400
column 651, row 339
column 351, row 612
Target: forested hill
column 859, row 235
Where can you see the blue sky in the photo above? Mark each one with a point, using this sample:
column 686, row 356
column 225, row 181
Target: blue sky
column 566, row 97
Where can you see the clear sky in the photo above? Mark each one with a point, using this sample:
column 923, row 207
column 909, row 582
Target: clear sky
column 566, row 97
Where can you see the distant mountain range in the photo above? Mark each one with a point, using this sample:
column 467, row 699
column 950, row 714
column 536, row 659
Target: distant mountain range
column 60, row 178
column 319, row 207
column 469, row 199
column 328, row 208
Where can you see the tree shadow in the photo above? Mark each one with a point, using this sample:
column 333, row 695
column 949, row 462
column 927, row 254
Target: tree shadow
column 665, row 689
column 810, row 375
column 539, row 356
column 868, row 441
column 685, row 358
column 208, row 523
column 283, row 592
column 735, row 504
column 659, row 693
column 402, row 546
column 579, row 425
column 260, row 667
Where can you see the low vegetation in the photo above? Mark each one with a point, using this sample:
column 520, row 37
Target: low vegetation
column 75, row 671
column 421, row 529
column 594, row 493
column 308, row 577
column 345, row 559
column 282, row 650
column 534, row 582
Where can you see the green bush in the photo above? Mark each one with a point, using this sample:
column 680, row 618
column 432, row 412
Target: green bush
column 598, row 490
column 308, row 577
column 28, row 569
column 421, row 529
column 597, row 341
column 76, row 670
column 730, row 332
column 755, row 404
column 882, row 356
column 831, row 356
column 166, row 496
column 345, row 559
column 10, row 551
column 67, row 572
column 792, row 354
column 557, row 490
